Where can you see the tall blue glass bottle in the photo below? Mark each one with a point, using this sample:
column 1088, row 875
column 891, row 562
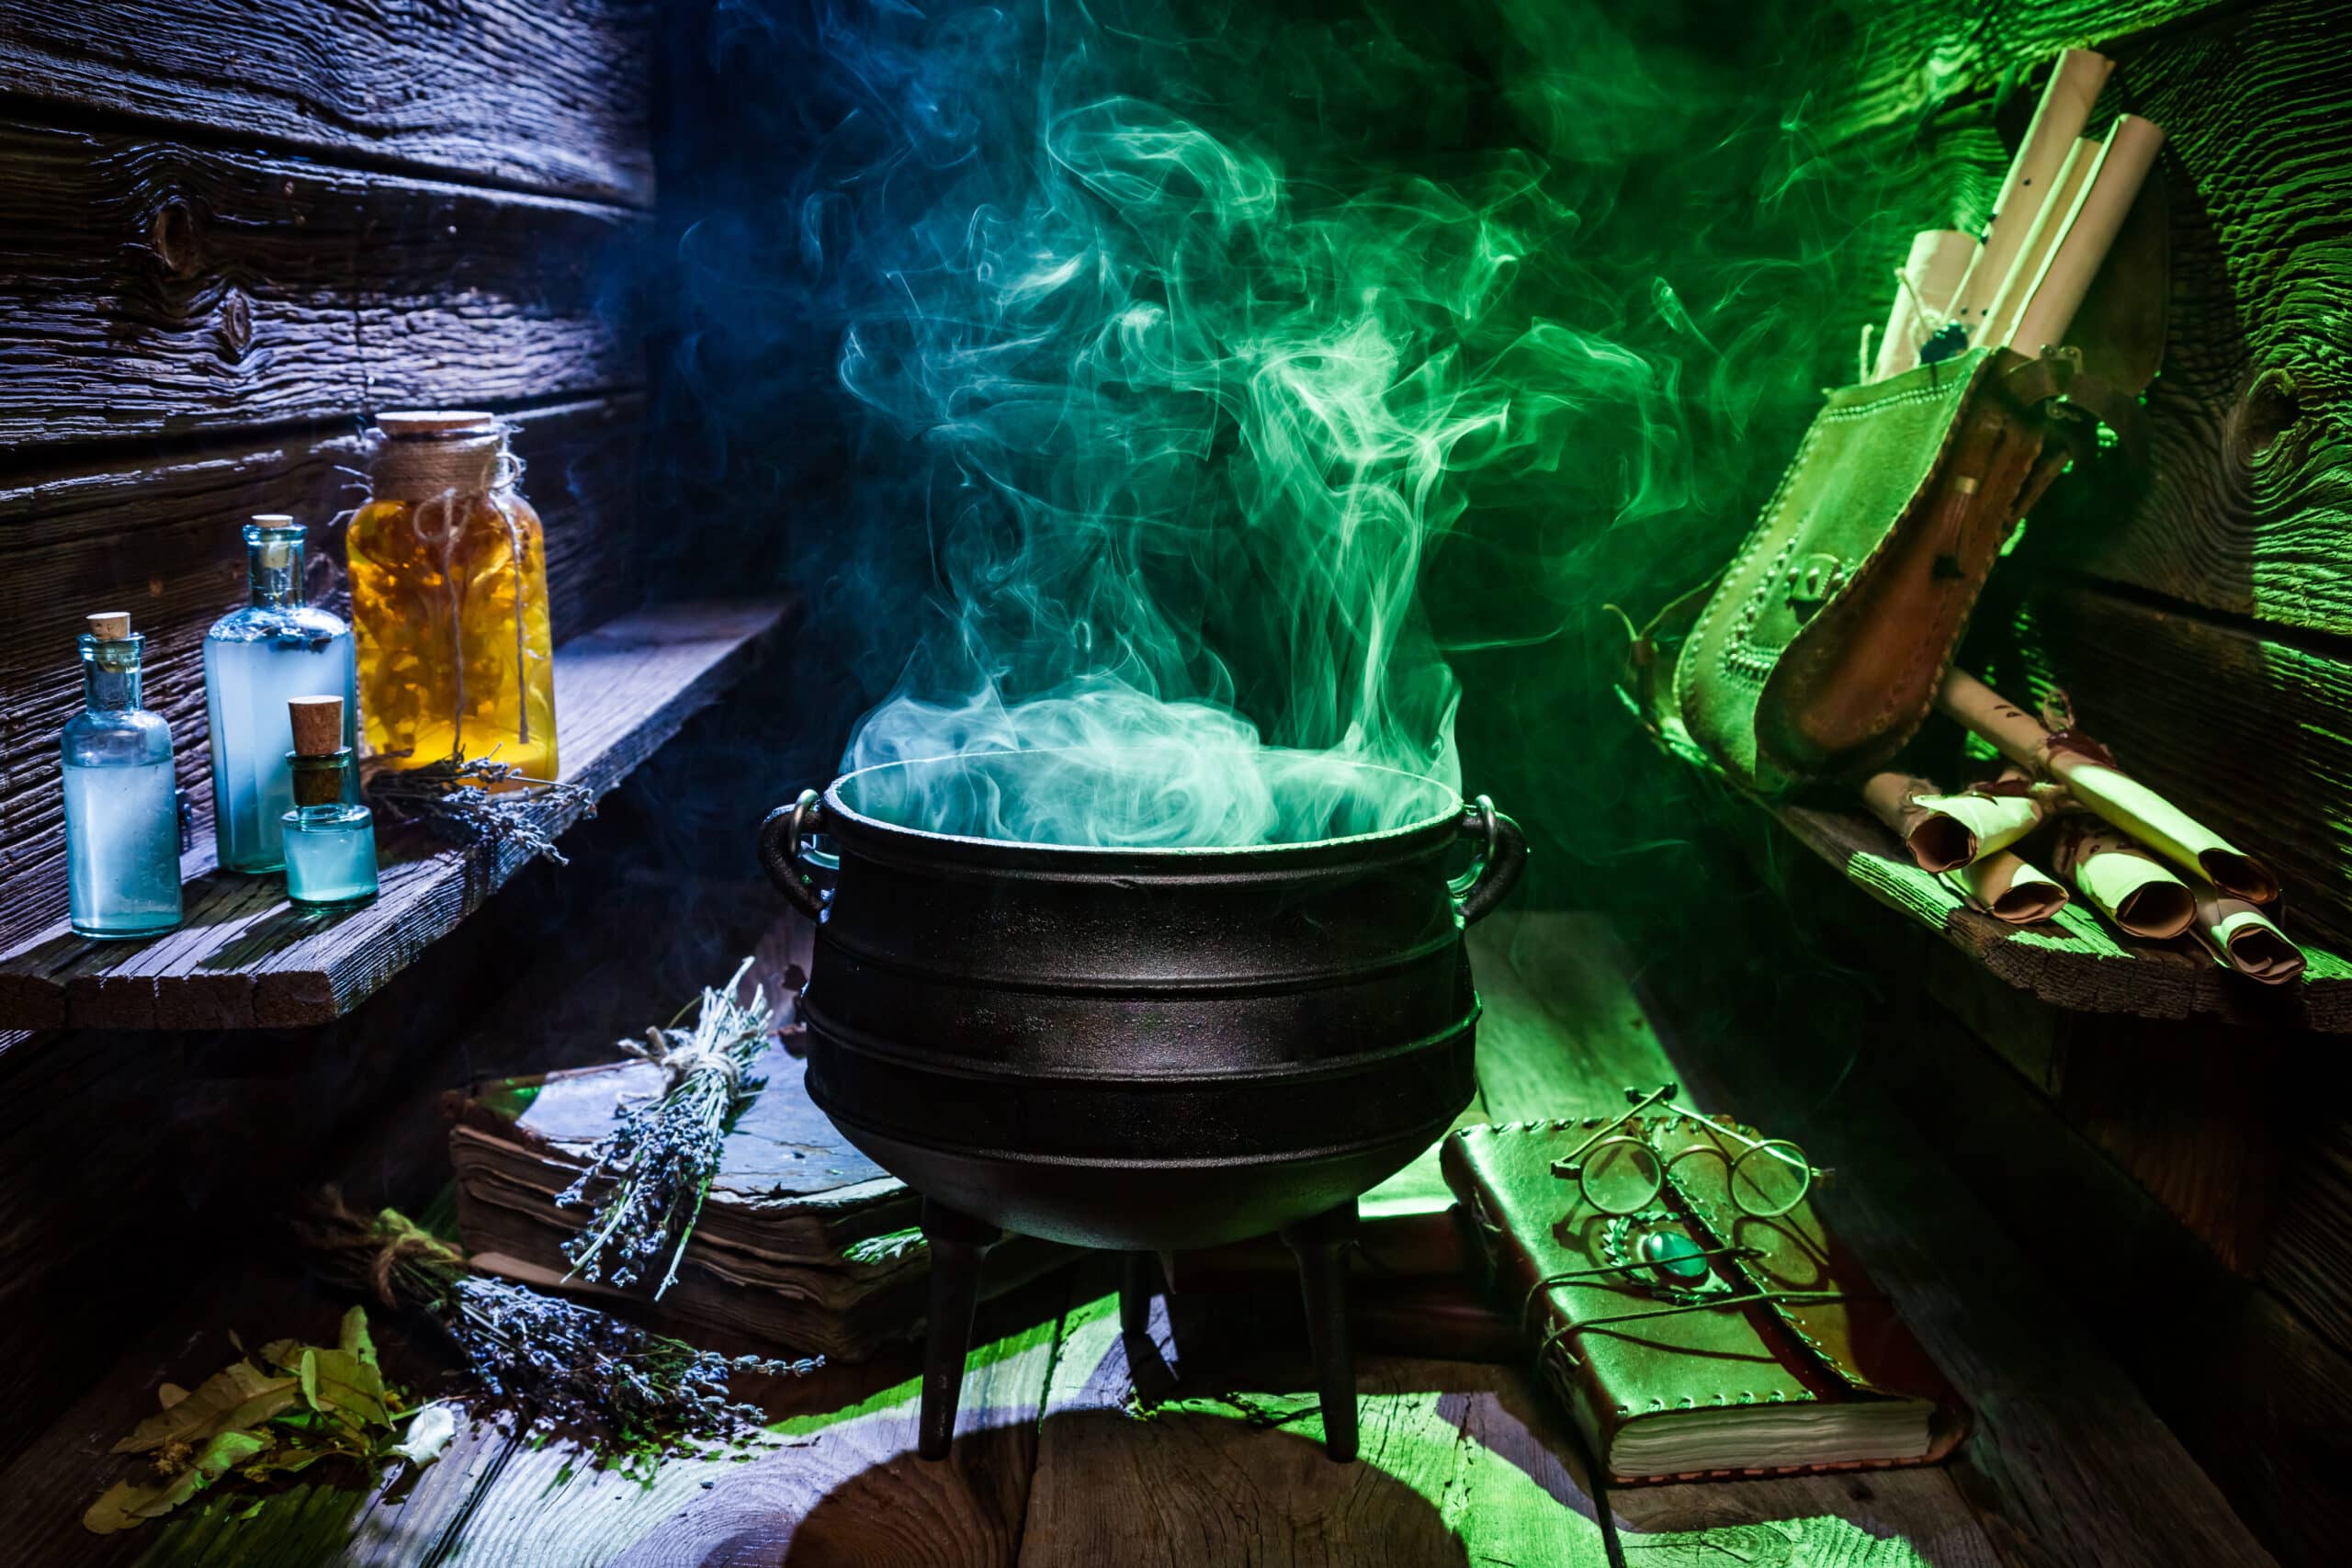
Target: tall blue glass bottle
column 255, row 659
column 122, row 820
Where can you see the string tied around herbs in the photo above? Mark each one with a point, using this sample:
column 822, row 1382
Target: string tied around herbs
column 680, row 1062
column 633, row 1395
column 649, row 1177
column 403, row 1240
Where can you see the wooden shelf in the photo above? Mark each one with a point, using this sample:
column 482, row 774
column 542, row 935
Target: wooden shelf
column 245, row 958
column 2077, row 961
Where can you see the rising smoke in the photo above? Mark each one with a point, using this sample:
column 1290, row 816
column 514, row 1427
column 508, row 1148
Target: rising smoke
column 1208, row 374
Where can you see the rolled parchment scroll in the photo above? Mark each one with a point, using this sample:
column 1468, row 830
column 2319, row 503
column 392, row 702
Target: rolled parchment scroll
column 2241, row 937
column 1944, row 831
column 1938, row 261
column 2049, row 224
column 2003, row 886
column 1937, row 842
column 2058, row 121
column 1997, row 814
column 2092, row 778
column 2099, row 207
column 2123, row 882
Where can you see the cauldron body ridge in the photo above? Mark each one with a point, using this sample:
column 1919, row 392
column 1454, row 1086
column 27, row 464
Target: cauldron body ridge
column 1142, row 1049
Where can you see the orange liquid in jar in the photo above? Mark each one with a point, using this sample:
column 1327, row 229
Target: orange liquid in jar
column 449, row 599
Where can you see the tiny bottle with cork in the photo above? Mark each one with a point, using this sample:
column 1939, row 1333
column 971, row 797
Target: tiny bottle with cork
column 257, row 657
column 123, row 823
column 329, row 838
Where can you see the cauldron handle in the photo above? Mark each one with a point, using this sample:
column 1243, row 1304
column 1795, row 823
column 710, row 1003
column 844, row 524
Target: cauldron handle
column 780, row 838
column 1502, row 856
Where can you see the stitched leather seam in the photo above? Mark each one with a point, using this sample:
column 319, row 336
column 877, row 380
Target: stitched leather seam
column 1923, row 395
column 1862, row 568
column 1757, row 538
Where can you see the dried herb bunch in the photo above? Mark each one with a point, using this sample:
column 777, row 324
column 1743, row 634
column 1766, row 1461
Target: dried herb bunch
column 634, row 1393
column 455, row 796
column 652, row 1172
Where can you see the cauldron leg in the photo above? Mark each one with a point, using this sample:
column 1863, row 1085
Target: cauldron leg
column 959, row 1244
column 1322, row 1243
column 1135, row 1294
column 1138, row 1274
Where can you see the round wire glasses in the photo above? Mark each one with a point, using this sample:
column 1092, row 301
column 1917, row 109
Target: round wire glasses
column 1621, row 1171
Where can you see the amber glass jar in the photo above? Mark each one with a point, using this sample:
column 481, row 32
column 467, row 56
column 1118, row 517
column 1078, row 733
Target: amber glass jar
column 449, row 599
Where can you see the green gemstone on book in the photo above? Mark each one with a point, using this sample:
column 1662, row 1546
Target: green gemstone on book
column 1674, row 1256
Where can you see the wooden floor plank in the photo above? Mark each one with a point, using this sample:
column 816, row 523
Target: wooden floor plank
column 338, row 1515
column 1460, row 1463
column 2067, row 1463
column 844, row 1487
column 1229, row 1469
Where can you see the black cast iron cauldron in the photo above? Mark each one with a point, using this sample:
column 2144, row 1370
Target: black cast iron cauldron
column 1141, row 1049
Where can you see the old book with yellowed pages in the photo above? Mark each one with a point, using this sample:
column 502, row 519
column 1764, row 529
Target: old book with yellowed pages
column 802, row 1243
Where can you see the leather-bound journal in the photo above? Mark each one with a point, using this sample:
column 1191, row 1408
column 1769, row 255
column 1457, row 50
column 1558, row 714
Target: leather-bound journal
column 1691, row 1339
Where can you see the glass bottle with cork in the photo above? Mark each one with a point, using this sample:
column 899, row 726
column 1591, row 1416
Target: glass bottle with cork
column 273, row 648
column 329, row 838
column 123, row 823
column 449, row 595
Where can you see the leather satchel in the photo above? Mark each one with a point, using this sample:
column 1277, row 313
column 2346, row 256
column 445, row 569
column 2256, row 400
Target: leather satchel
column 1818, row 652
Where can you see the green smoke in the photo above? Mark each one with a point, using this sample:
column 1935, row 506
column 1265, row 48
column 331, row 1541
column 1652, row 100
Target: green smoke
column 1215, row 333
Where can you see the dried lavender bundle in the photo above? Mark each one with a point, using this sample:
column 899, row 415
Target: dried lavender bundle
column 637, row 1395
column 652, row 1172
column 452, row 794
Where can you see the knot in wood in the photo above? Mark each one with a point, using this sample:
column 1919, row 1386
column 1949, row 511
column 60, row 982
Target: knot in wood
column 2270, row 406
column 236, row 325
column 172, row 235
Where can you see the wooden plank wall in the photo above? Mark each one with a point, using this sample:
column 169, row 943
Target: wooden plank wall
column 2199, row 617
column 193, row 329
column 229, row 235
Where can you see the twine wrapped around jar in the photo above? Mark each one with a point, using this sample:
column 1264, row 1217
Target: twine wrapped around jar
column 426, row 456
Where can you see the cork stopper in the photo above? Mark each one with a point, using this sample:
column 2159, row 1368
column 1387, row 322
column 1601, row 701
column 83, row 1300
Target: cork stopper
column 273, row 520
column 432, row 423
column 110, row 625
column 318, row 725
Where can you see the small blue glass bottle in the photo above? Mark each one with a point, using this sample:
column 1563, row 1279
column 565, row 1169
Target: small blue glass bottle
column 122, row 821
column 255, row 658
column 330, row 839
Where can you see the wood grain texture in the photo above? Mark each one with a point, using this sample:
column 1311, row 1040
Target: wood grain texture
column 2254, row 1396
column 1895, row 64
column 2067, row 1463
column 844, row 1487
column 339, row 1514
column 2247, row 492
column 2185, row 1107
column 151, row 288
column 244, row 958
column 1229, row 1468
column 1460, row 1463
column 2076, row 962
column 2309, row 1264
column 162, row 539
column 550, row 97
column 2245, row 732
column 2250, row 487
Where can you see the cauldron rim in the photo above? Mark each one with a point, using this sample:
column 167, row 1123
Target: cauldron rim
column 840, row 815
